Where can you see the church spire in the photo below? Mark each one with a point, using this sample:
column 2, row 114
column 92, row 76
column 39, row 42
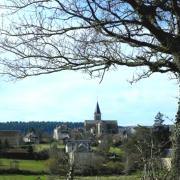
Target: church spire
column 97, row 113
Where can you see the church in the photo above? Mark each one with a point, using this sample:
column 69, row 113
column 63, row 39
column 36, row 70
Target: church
column 100, row 127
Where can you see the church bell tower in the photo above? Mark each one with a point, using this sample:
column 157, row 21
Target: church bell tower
column 97, row 113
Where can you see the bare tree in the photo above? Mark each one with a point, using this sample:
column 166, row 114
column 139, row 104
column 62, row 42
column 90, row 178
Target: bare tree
column 46, row 36
column 142, row 152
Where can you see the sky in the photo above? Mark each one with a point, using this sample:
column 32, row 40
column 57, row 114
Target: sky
column 72, row 96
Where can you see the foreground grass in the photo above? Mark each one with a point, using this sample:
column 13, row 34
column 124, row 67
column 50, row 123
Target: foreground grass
column 19, row 177
column 31, row 165
column 41, row 147
column 109, row 178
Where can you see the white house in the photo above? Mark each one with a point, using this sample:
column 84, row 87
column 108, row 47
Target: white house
column 61, row 133
column 31, row 137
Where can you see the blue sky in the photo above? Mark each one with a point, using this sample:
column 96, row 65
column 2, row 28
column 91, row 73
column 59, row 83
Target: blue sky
column 72, row 96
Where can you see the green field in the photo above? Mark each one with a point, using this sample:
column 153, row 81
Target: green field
column 31, row 165
column 117, row 151
column 41, row 147
column 18, row 177
column 109, row 178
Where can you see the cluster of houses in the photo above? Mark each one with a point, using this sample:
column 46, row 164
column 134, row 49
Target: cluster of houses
column 96, row 128
column 78, row 141
column 14, row 137
column 75, row 139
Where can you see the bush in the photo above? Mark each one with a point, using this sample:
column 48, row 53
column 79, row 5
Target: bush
column 30, row 149
column 14, row 164
column 58, row 162
column 53, row 165
column 24, row 155
column 114, row 167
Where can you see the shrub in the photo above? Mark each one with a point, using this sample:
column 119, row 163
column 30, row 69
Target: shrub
column 53, row 165
column 114, row 167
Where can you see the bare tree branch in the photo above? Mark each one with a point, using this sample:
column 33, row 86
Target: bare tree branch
column 43, row 37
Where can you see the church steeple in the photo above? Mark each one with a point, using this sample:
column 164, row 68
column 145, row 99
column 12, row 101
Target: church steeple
column 97, row 113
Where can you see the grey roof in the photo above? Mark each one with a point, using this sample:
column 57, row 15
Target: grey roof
column 72, row 141
column 90, row 122
column 96, row 121
column 97, row 110
column 110, row 121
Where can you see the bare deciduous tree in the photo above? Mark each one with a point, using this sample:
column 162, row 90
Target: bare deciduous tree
column 51, row 35
column 46, row 36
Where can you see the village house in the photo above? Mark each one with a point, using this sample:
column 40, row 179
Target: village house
column 80, row 154
column 61, row 133
column 77, row 146
column 12, row 137
column 82, row 157
column 126, row 131
column 31, row 137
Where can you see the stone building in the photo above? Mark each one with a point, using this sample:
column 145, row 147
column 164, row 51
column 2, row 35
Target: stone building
column 61, row 133
column 100, row 127
column 77, row 146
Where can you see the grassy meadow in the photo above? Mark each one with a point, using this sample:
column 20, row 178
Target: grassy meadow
column 31, row 165
column 40, row 166
column 41, row 147
column 19, row 177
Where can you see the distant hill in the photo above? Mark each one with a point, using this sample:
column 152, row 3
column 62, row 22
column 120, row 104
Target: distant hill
column 44, row 126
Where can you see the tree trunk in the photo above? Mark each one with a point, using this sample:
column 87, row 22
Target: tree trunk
column 176, row 147
column 70, row 174
column 175, row 162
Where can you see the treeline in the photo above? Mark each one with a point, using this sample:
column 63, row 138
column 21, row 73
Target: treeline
column 44, row 126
